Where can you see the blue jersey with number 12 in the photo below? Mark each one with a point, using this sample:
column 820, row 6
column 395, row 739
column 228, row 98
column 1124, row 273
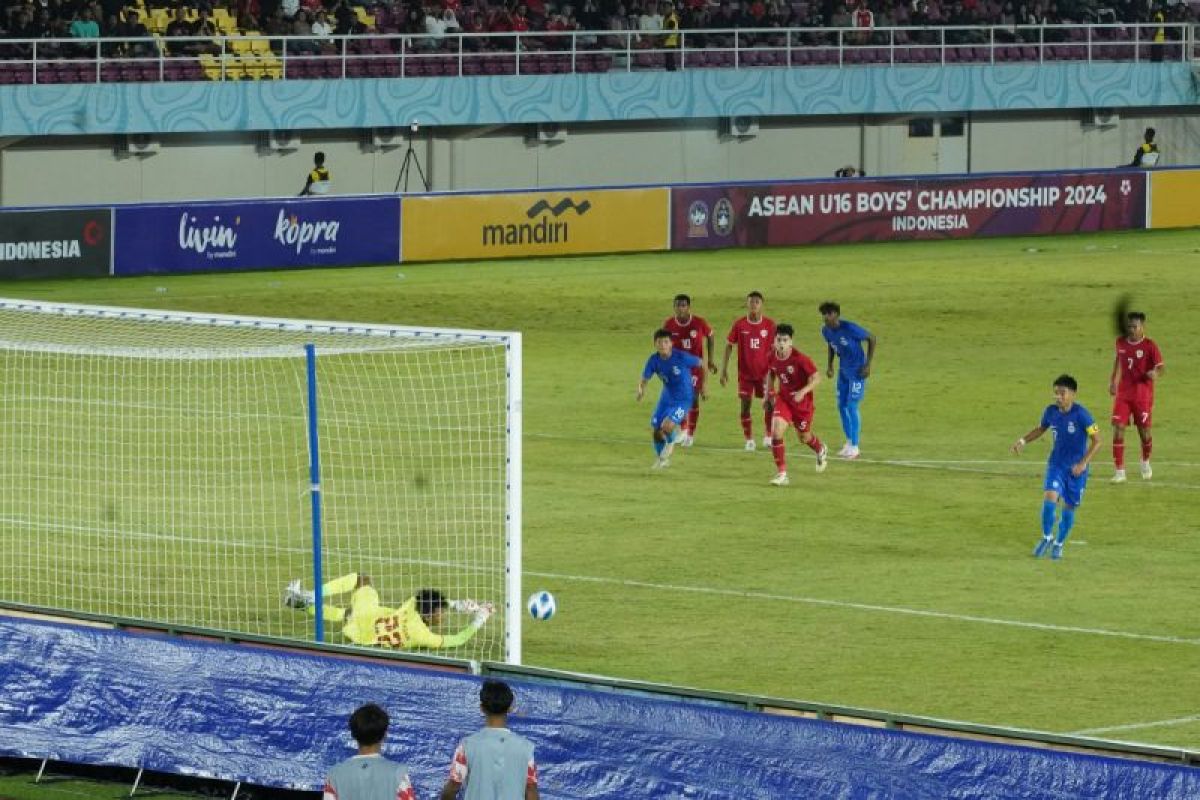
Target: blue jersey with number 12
column 1070, row 430
column 676, row 374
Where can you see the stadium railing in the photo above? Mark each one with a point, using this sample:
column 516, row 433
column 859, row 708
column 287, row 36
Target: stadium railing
column 393, row 55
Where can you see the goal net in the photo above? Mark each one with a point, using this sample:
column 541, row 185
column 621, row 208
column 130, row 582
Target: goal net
column 159, row 465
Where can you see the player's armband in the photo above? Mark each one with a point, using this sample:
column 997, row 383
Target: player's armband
column 1093, row 429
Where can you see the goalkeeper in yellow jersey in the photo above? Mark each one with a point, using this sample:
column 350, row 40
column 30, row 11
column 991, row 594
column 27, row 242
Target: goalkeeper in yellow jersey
column 366, row 622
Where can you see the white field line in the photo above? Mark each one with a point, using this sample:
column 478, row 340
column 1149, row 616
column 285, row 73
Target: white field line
column 1134, row 726
column 912, row 612
column 1021, row 467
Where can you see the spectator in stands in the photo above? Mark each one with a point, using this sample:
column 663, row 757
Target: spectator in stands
column 650, row 21
column 670, row 42
column 85, row 26
column 179, row 28
column 493, row 762
column 864, row 20
column 204, row 26
column 301, row 27
column 368, row 775
column 290, row 7
column 323, row 29
column 1147, row 152
column 130, row 27
column 724, row 19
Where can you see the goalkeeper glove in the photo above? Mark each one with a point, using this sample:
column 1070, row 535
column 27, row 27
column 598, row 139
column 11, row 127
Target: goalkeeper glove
column 464, row 606
column 481, row 617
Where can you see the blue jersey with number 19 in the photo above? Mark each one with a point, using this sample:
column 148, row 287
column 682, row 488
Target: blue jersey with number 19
column 1070, row 430
column 675, row 372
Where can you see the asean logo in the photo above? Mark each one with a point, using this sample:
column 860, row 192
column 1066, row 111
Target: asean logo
column 1070, row 427
column 763, row 333
column 692, row 334
column 698, row 220
column 791, row 370
column 722, row 222
column 1139, row 353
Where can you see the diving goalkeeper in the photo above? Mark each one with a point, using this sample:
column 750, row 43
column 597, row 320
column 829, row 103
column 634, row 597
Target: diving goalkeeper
column 366, row 622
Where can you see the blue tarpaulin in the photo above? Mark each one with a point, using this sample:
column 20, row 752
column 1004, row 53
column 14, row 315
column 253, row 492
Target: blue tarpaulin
column 278, row 718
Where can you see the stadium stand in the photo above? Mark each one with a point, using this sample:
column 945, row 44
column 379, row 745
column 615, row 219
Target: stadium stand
column 269, row 39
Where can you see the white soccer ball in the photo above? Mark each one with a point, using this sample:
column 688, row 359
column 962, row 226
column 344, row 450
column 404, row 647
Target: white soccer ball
column 541, row 605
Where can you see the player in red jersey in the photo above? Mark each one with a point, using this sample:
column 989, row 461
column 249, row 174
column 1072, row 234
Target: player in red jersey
column 1139, row 364
column 796, row 376
column 753, row 334
column 689, row 333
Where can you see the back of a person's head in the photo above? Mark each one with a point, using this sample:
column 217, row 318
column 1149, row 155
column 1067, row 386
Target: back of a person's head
column 495, row 697
column 319, row 159
column 368, row 725
column 1149, row 134
column 429, row 602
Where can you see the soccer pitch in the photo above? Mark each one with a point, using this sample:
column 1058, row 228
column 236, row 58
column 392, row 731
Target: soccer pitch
column 903, row 581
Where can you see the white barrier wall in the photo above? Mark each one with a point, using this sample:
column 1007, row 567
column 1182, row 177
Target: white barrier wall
column 76, row 170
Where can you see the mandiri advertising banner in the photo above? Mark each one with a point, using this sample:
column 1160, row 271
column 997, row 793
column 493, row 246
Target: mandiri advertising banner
column 915, row 208
column 55, row 244
column 568, row 221
column 264, row 234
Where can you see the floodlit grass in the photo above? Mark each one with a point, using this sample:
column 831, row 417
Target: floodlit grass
column 903, row 581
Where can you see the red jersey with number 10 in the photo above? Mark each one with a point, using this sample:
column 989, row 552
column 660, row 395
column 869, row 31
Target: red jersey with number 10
column 689, row 336
column 754, row 342
column 1135, row 359
column 793, row 373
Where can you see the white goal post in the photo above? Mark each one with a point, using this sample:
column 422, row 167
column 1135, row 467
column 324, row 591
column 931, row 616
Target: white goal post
column 161, row 465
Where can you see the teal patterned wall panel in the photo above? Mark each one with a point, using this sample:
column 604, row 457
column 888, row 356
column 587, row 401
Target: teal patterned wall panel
column 364, row 103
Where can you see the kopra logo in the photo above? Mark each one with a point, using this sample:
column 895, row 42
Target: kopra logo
column 541, row 225
column 292, row 231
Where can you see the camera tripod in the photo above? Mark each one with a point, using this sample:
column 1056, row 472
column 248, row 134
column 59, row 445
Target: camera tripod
column 410, row 160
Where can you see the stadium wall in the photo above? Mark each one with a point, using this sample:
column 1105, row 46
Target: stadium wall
column 71, row 170
column 76, row 109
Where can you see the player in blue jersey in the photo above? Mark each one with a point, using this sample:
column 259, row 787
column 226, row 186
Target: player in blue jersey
column 674, row 367
column 845, row 341
column 1076, row 440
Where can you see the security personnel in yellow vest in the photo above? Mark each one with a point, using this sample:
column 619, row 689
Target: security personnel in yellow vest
column 671, row 40
column 1147, row 152
column 318, row 179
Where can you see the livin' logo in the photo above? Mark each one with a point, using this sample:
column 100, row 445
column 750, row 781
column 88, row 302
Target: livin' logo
column 559, row 208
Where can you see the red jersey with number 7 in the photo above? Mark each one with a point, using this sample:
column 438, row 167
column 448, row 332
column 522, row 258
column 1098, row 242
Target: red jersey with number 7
column 1134, row 360
column 689, row 336
column 754, row 346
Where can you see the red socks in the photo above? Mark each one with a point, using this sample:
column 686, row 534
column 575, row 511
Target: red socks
column 1147, row 446
column 777, row 451
column 815, row 444
column 692, row 417
column 746, row 430
column 1119, row 453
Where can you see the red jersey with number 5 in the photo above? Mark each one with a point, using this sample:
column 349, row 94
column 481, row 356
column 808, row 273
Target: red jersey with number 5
column 793, row 373
column 1134, row 360
column 754, row 345
column 689, row 336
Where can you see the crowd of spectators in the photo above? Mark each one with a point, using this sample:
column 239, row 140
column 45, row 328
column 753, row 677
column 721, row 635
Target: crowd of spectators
column 428, row 22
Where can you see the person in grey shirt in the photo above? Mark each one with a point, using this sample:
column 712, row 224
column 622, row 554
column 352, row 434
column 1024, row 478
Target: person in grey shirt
column 494, row 763
column 368, row 775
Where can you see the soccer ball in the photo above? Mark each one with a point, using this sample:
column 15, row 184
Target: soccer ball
column 541, row 605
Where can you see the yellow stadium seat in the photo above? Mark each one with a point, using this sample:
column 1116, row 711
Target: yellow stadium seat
column 261, row 46
column 234, row 70
column 239, row 45
column 211, row 66
column 253, row 68
column 191, row 14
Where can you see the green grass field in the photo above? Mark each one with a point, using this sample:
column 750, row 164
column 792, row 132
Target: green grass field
column 902, row 581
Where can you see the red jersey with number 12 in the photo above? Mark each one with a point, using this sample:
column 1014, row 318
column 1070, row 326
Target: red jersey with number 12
column 1134, row 360
column 689, row 336
column 793, row 373
column 754, row 342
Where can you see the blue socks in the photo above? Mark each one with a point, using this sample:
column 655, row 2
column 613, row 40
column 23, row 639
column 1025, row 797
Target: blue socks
column 1065, row 525
column 855, row 422
column 1048, row 508
column 658, row 446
